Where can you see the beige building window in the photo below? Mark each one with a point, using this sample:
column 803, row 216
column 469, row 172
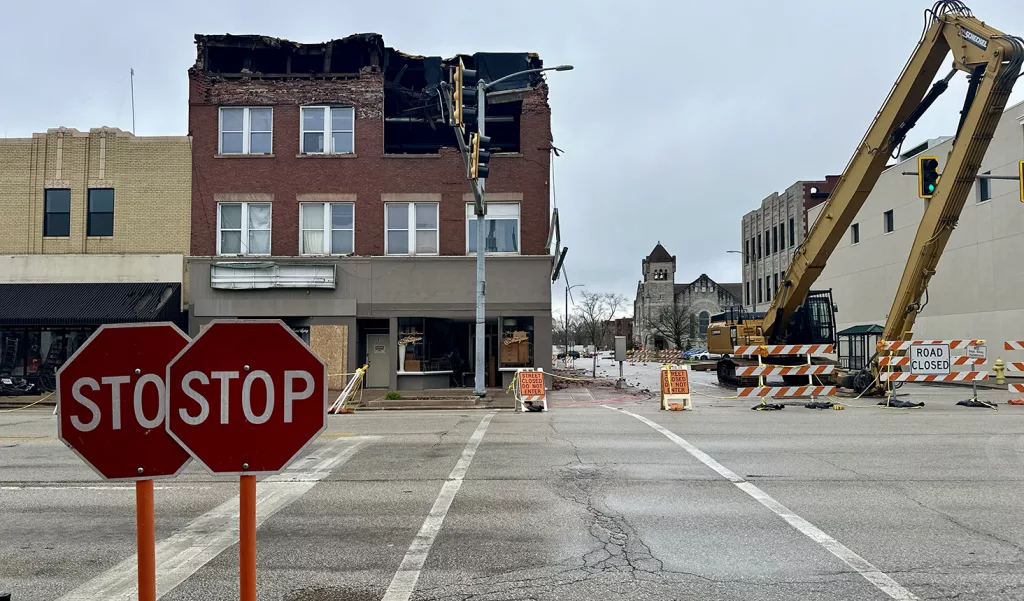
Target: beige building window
column 328, row 228
column 410, row 228
column 888, row 221
column 246, row 130
column 243, row 228
column 327, row 130
column 101, row 212
column 57, row 213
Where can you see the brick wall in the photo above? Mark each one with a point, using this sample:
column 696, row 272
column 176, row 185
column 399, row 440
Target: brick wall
column 368, row 174
column 151, row 178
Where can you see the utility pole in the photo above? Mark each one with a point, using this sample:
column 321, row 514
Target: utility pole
column 481, row 285
column 476, row 156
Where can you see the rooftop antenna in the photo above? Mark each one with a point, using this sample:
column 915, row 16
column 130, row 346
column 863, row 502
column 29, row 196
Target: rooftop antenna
column 133, row 98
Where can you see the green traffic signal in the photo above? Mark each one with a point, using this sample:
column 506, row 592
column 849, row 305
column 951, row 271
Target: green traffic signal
column 927, row 176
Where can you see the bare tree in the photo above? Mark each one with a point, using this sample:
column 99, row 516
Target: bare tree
column 558, row 330
column 675, row 324
column 594, row 311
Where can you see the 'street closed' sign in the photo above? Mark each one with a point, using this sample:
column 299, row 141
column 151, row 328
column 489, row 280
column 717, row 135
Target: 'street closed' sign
column 929, row 359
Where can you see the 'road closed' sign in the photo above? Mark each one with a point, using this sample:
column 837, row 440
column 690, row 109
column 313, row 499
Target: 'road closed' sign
column 929, row 359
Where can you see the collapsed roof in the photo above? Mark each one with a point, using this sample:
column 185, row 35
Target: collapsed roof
column 411, row 108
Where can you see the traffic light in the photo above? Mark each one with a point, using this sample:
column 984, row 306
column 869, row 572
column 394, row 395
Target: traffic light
column 480, row 157
column 1020, row 179
column 927, row 176
column 464, row 95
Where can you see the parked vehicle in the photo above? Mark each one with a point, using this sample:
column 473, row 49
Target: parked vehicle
column 573, row 354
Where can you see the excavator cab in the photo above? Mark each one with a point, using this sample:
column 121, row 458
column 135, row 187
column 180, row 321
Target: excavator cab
column 815, row 321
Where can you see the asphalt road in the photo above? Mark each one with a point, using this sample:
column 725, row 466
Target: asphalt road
column 583, row 502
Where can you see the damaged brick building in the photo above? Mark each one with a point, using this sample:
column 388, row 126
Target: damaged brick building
column 329, row 192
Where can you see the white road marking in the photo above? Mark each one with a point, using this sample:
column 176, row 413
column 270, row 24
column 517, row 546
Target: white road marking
column 404, row 582
column 865, row 568
column 183, row 553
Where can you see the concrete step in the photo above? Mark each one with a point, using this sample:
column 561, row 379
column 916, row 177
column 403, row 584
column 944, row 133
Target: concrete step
column 422, row 403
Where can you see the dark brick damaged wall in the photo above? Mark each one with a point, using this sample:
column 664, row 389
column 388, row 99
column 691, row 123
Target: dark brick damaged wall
column 368, row 175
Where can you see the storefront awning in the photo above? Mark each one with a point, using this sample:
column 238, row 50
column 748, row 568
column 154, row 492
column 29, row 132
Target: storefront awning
column 88, row 304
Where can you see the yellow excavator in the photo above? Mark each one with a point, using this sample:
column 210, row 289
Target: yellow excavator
column 799, row 315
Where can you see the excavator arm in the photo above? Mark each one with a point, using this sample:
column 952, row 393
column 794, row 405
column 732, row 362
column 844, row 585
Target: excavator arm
column 994, row 60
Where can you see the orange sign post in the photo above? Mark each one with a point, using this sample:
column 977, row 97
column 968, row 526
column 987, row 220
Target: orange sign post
column 675, row 386
column 531, row 389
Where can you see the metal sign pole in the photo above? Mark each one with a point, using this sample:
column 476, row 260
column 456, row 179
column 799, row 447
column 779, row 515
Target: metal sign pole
column 481, row 241
column 145, row 539
column 247, row 538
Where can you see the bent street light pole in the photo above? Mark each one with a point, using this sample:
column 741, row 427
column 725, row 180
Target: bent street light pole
column 479, row 389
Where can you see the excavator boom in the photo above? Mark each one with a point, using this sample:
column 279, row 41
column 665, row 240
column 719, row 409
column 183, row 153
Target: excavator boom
column 994, row 60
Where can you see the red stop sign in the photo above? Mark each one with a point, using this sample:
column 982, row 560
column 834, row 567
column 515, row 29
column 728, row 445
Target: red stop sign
column 246, row 396
column 110, row 395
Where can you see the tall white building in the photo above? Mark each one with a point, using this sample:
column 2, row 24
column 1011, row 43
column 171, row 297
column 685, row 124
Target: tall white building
column 978, row 288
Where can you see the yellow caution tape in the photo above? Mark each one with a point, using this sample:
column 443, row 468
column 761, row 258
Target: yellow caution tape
column 30, row 404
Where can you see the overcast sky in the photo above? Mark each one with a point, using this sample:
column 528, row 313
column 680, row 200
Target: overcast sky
column 679, row 117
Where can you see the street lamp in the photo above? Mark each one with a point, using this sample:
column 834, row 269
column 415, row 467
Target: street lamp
column 567, row 289
column 753, row 295
column 481, row 239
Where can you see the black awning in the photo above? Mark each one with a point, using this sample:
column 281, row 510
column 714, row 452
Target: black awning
column 88, row 304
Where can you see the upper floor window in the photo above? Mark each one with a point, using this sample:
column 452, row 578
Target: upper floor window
column 410, row 228
column 703, row 321
column 327, row 228
column 101, row 212
column 243, row 228
column 328, row 130
column 775, row 239
column 57, row 213
column 782, row 236
column 501, row 227
column 246, row 130
column 855, row 234
column 888, row 222
column 792, row 232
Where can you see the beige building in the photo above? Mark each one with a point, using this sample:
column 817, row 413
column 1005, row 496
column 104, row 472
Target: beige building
column 978, row 289
column 96, row 229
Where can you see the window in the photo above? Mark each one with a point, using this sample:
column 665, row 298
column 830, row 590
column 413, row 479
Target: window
column 327, row 228
column 501, row 228
column 410, row 228
column 246, row 130
column 984, row 188
column 888, row 221
column 57, row 213
column 768, row 287
column 243, row 228
column 328, row 130
column 782, row 236
column 760, row 297
column 855, row 233
column 767, row 243
column 776, row 284
column 775, row 239
column 703, row 321
column 101, row 212
column 759, row 246
column 792, row 232
column 746, row 252
column 746, row 291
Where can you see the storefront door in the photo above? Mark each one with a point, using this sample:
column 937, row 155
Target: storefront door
column 378, row 372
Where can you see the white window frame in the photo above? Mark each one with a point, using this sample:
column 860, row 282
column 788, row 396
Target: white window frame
column 471, row 216
column 246, row 130
column 411, row 230
column 245, row 230
column 328, row 230
column 885, row 222
column 855, row 234
column 328, row 130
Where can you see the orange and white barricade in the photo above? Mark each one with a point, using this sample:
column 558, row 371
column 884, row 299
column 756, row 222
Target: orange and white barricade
column 910, row 363
column 530, row 388
column 763, row 391
column 1014, row 366
column 675, row 386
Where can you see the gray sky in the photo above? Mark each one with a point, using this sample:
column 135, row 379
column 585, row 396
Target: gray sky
column 679, row 117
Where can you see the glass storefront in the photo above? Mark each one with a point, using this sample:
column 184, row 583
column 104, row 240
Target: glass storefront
column 36, row 353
